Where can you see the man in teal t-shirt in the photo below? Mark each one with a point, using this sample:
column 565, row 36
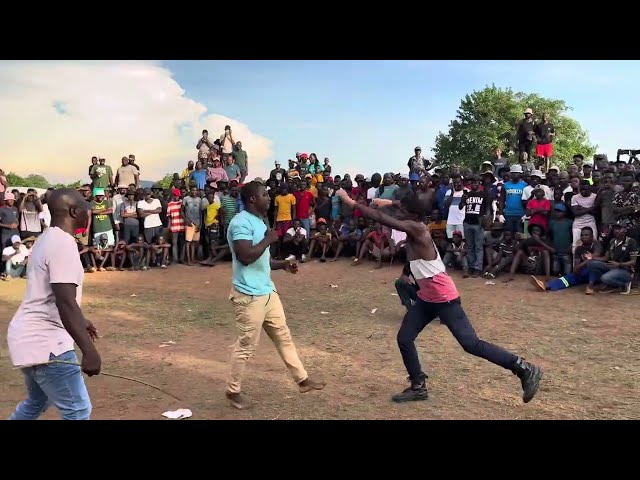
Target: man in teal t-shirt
column 253, row 294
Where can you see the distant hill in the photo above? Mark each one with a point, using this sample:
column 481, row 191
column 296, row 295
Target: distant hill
column 146, row 183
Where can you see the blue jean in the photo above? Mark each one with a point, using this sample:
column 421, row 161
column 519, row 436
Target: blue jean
column 57, row 383
column 513, row 223
column 474, row 235
column 306, row 224
column 562, row 263
column 14, row 270
column 452, row 315
column 612, row 277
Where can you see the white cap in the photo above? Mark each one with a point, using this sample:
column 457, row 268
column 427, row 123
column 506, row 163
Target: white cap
column 536, row 173
column 528, row 110
column 554, row 167
column 515, row 169
column 15, row 239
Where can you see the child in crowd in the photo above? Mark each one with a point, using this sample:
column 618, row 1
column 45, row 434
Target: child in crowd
column 160, row 250
column 457, row 254
column 139, row 254
column 504, row 258
column 321, row 239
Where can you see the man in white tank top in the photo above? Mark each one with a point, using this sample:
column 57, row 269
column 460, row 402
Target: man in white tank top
column 438, row 297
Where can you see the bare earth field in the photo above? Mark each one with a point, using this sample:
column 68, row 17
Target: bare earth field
column 589, row 347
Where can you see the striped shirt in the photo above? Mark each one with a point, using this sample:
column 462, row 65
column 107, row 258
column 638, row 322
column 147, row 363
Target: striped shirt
column 230, row 206
column 174, row 213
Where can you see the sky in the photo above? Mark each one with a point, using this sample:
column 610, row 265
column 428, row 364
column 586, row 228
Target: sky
column 366, row 116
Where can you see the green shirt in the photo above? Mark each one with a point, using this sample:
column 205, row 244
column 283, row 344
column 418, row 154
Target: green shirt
column 561, row 234
column 101, row 223
column 230, row 206
column 104, row 173
column 241, row 158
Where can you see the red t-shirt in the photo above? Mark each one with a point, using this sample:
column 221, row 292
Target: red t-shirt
column 303, row 203
column 537, row 218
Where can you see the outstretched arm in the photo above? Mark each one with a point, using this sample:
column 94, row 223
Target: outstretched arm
column 410, row 227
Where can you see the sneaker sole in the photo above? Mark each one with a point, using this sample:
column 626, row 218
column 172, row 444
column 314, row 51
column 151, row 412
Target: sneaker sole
column 412, row 399
column 534, row 282
column 537, row 377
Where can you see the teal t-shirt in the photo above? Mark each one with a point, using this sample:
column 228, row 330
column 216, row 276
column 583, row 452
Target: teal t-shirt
column 253, row 279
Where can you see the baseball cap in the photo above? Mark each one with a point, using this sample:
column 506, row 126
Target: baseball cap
column 457, row 232
column 98, row 192
column 120, row 187
column 15, row 239
column 536, row 173
column 414, row 177
column 9, row 196
column 277, row 162
column 516, row 169
column 561, row 207
column 405, row 176
column 554, row 167
column 321, row 220
column 418, row 148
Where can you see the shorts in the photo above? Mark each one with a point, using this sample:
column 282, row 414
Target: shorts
column 192, row 233
column 544, row 150
column 111, row 238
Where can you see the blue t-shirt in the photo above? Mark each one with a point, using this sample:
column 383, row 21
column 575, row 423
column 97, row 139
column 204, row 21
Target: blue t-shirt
column 335, row 206
column 233, row 171
column 253, row 279
column 513, row 202
column 200, row 177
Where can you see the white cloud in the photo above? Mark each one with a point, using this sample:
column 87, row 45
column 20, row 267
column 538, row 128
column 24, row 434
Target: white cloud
column 57, row 115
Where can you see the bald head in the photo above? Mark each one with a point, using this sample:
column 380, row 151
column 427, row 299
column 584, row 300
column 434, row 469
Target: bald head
column 68, row 209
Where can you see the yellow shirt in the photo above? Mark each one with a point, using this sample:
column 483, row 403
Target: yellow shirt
column 284, row 204
column 212, row 214
column 314, row 191
column 185, row 173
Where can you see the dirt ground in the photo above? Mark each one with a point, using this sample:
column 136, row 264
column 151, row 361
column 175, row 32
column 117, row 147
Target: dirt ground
column 589, row 347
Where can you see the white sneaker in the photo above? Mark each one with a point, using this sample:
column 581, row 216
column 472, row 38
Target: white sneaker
column 304, row 258
column 627, row 289
column 291, row 257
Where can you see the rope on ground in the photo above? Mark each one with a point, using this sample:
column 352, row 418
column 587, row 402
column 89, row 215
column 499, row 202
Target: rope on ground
column 106, row 374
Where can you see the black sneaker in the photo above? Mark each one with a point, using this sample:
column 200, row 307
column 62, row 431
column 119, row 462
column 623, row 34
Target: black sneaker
column 530, row 376
column 417, row 391
column 238, row 400
column 475, row 273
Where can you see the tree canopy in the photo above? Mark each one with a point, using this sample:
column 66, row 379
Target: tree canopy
column 166, row 181
column 486, row 120
column 36, row 181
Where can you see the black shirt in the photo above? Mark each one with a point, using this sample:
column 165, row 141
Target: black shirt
column 620, row 251
column 476, row 206
column 582, row 250
column 543, row 131
column 323, row 208
column 525, row 131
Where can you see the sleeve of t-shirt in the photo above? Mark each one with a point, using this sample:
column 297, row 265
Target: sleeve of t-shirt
column 293, row 200
column 7, row 251
column 632, row 246
column 240, row 230
column 92, row 205
column 574, row 201
column 58, row 265
column 140, row 205
column 526, row 194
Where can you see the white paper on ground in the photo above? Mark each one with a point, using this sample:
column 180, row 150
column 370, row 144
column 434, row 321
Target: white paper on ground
column 178, row 414
column 334, row 286
column 374, row 311
column 324, row 313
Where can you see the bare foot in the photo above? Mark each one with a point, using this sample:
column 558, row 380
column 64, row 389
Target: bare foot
column 308, row 385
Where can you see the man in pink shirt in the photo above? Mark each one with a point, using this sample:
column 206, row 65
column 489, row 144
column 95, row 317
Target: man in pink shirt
column 42, row 333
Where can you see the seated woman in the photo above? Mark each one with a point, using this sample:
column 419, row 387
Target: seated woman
column 321, row 239
column 533, row 254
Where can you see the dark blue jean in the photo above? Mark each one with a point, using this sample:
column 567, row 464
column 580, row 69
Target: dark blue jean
column 452, row 315
column 612, row 277
column 513, row 223
column 59, row 384
column 474, row 236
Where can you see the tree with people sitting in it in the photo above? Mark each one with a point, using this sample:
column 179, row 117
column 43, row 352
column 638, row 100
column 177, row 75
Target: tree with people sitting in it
column 486, row 120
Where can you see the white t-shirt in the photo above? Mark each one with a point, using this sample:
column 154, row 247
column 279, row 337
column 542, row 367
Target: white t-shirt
column 456, row 215
column 36, row 330
column 152, row 220
column 292, row 232
column 586, row 202
column 45, row 214
column 23, row 252
column 527, row 193
column 371, row 193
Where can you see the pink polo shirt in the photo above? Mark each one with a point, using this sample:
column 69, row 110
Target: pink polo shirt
column 36, row 330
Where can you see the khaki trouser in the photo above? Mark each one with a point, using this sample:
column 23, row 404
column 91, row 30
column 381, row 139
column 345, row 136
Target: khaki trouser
column 252, row 314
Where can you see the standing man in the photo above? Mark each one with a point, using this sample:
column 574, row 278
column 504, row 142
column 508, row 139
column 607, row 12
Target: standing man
column 418, row 164
column 242, row 160
column 254, row 297
column 30, row 209
column 204, row 147
column 101, row 175
column 476, row 205
column 525, row 133
column 226, row 140
column 510, row 204
column 49, row 320
column 438, row 297
column 127, row 174
column 101, row 210
column 545, row 131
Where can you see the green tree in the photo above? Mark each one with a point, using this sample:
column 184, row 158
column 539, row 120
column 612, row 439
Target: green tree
column 486, row 120
column 166, row 181
column 31, row 181
column 74, row 185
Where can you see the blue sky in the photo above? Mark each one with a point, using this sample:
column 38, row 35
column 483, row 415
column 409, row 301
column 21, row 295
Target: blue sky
column 370, row 114
column 366, row 116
